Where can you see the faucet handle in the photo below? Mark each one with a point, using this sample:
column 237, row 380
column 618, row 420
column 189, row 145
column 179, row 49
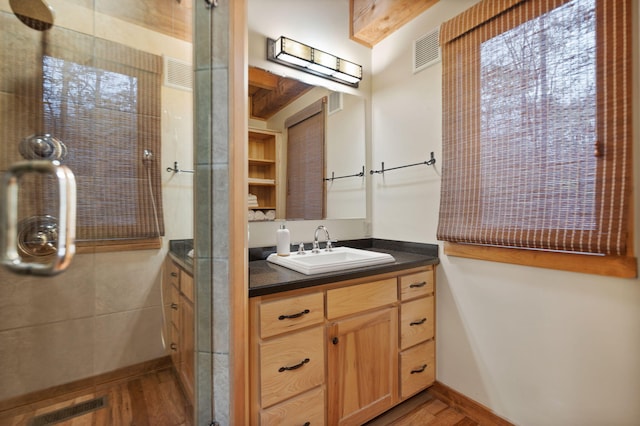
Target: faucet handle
column 301, row 248
column 329, row 246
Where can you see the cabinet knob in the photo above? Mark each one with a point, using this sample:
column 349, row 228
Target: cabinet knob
column 174, row 306
column 334, row 340
column 174, row 274
column 174, row 347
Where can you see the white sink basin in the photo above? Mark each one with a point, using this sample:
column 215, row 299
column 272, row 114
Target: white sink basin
column 339, row 259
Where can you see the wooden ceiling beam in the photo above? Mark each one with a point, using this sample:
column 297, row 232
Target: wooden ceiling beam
column 373, row 20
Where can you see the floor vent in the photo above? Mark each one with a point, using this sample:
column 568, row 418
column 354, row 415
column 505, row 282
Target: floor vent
column 69, row 412
column 426, row 50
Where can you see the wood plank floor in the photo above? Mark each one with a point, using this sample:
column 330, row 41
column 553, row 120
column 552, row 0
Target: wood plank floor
column 154, row 399
column 423, row 409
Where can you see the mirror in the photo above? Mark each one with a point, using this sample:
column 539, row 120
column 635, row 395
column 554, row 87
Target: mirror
column 273, row 100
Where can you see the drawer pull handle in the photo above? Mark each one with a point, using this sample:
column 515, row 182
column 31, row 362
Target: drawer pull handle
column 418, row 285
column 174, row 306
column 294, row 367
column 419, row 370
column 419, row 322
column 174, row 347
column 298, row 315
column 174, row 274
column 307, row 424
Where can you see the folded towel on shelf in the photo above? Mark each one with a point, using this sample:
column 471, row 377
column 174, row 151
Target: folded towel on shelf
column 252, row 200
column 270, row 215
column 252, row 215
column 259, row 215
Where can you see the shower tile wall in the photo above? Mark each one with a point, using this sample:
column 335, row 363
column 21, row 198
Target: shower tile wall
column 104, row 313
column 212, row 139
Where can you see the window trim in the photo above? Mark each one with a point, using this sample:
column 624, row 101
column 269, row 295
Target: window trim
column 613, row 266
column 106, row 246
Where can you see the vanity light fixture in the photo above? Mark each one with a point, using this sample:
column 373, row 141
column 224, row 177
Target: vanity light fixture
column 306, row 58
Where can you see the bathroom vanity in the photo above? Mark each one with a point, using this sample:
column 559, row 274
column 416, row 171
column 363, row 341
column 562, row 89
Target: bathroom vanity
column 178, row 292
column 341, row 348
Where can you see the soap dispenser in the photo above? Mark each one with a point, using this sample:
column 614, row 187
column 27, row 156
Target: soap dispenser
column 283, row 241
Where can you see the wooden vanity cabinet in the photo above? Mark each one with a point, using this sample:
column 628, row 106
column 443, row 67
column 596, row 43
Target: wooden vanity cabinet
column 341, row 353
column 180, row 326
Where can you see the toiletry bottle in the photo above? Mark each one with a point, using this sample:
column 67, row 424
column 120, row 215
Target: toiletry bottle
column 283, row 241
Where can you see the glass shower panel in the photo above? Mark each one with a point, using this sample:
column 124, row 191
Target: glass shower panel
column 93, row 82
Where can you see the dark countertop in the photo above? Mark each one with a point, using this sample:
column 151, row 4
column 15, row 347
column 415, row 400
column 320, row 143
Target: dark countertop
column 268, row 278
column 178, row 250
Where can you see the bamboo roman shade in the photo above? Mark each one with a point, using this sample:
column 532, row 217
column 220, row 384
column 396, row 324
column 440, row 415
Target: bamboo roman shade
column 537, row 126
column 102, row 100
column 305, row 162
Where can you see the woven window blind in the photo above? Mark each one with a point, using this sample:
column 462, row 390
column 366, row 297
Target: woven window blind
column 537, row 126
column 306, row 191
column 102, row 100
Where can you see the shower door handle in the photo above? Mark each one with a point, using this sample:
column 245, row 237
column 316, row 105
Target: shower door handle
column 66, row 226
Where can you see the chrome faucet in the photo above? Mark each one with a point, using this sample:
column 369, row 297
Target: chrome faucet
column 316, row 245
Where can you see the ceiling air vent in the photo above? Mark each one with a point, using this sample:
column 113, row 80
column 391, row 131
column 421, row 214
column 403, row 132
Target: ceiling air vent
column 426, row 50
column 178, row 74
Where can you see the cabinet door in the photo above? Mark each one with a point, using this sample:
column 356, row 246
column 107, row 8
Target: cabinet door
column 362, row 366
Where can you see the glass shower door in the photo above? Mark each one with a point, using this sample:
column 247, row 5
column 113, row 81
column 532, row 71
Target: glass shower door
column 87, row 87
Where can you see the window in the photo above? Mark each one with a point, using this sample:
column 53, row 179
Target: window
column 537, row 134
column 306, row 191
column 107, row 113
column 102, row 100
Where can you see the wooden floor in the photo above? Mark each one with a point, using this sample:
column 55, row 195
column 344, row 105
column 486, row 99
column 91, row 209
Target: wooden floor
column 154, row 399
column 423, row 409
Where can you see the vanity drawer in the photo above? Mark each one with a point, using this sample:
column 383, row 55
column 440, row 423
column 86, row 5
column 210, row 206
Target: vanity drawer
column 290, row 365
column 356, row 298
column 291, row 314
column 416, row 285
column 417, row 368
column 308, row 408
column 416, row 321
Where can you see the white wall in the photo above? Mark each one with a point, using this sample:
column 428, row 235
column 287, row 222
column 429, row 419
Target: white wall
column 538, row 347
